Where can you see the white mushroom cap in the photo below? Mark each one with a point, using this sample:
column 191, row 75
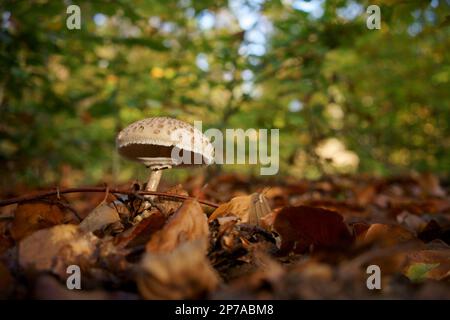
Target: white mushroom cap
column 154, row 141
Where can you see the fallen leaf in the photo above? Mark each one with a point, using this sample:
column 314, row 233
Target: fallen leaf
column 359, row 228
column 428, row 264
column 277, row 196
column 186, row 224
column 140, row 233
column 418, row 272
column 33, row 216
column 168, row 206
column 55, row 248
column 238, row 206
column 249, row 209
column 100, row 217
column 183, row 273
column 303, row 227
column 384, row 235
column 269, row 219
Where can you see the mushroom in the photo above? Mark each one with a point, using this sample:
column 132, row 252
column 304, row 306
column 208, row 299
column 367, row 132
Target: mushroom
column 162, row 143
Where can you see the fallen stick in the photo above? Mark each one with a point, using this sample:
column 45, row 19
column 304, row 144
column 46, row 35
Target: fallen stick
column 100, row 189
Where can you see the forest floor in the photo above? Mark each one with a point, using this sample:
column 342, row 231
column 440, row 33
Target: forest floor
column 341, row 237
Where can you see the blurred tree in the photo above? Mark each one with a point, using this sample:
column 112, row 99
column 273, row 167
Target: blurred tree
column 345, row 98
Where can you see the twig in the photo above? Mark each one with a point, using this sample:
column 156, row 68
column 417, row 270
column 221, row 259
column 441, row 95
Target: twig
column 100, row 189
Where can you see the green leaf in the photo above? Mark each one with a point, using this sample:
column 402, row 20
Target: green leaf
column 418, row 272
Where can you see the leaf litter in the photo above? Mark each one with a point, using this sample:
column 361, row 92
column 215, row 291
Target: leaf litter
column 285, row 240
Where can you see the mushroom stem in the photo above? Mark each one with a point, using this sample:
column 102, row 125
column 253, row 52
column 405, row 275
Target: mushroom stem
column 153, row 180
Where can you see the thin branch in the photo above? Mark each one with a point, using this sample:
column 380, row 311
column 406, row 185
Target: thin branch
column 100, row 189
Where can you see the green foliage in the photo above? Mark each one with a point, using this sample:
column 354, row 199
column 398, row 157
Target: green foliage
column 382, row 94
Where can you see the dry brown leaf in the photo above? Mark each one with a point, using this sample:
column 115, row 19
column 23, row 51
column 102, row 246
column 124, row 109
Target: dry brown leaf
column 238, row 206
column 269, row 219
column 277, row 196
column 168, row 206
column 184, row 273
column 186, row 224
column 384, row 235
column 33, row 216
column 100, row 217
column 55, row 248
column 250, row 209
column 140, row 233
column 428, row 264
column 302, row 228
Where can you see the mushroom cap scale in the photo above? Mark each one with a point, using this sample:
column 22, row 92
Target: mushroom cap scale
column 151, row 141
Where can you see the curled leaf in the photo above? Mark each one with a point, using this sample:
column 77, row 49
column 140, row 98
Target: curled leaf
column 186, row 224
column 249, row 209
column 385, row 235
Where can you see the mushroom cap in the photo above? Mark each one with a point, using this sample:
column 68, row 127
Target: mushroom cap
column 151, row 141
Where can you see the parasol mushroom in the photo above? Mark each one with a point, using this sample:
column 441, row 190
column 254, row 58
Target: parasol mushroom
column 162, row 143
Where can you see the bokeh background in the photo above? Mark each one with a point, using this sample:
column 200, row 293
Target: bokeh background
column 345, row 98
